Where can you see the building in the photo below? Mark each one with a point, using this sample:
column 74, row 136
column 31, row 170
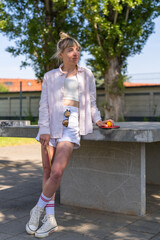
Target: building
column 141, row 100
column 10, row 101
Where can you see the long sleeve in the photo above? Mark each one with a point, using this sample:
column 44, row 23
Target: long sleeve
column 95, row 113
column 43, row 122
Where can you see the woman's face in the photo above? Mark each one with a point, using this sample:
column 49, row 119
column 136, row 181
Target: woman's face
column 70, row 55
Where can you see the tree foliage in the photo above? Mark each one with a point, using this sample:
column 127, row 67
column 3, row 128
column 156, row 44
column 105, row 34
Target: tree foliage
column 114, row 28
column 3, row 88
column 35, row 26
column 112, row 31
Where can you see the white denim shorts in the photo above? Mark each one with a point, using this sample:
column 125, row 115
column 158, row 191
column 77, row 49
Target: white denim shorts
column 70, row 133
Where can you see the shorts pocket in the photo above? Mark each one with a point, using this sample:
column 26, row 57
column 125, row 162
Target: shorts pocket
column 73, row 121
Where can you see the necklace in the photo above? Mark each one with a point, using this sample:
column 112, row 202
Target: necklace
column 69, row 73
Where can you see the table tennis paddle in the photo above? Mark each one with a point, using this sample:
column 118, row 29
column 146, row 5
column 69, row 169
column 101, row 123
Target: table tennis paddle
column 112, row 127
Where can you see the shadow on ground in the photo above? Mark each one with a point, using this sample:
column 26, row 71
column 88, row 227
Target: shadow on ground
column 20, row 185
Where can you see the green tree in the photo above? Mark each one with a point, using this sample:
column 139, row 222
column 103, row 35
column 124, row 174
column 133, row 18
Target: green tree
column 3, row 88
column 35, row 26
column 112, row 31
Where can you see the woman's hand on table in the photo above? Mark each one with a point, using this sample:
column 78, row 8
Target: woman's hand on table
column 104, row 123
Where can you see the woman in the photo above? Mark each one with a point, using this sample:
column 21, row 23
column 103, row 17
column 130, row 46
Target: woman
column 67, row 109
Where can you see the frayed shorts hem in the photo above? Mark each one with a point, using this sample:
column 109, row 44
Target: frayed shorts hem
column 54, row 141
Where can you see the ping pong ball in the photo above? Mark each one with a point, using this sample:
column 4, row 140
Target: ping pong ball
column 109, row 124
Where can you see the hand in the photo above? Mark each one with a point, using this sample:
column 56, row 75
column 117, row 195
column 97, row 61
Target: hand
column 103, row 123
column 44, row 139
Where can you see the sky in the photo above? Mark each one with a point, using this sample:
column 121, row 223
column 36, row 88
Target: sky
column 144, row 67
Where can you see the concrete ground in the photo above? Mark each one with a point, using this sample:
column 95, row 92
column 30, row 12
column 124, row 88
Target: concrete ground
column 20, row 185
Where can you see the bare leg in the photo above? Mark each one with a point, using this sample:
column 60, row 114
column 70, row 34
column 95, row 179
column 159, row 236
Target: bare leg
column 36, row 212
column 46, row 166
column 61, row 158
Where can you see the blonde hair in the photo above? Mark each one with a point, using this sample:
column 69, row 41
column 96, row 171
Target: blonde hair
column 64, row 42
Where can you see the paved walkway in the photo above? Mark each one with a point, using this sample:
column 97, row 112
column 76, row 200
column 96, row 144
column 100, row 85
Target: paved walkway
column 20, row 185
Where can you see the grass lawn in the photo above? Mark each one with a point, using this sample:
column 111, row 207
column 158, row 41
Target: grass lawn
column 12, row 141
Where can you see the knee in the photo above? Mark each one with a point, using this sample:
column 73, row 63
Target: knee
column 56, row 176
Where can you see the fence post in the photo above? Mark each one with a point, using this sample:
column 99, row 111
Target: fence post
column 21, row 100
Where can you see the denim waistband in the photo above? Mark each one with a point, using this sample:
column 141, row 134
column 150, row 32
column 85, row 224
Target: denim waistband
column 71, row 108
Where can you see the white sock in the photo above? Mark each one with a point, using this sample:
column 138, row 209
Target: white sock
column 43, row 200
column 50, row 208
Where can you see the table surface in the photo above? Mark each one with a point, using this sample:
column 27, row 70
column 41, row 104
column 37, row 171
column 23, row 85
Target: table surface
column 128, row 132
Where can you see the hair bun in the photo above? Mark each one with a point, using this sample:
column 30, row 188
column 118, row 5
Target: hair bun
column 63, row 35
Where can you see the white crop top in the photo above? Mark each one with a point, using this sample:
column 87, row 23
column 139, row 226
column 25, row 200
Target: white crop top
column 71, row 88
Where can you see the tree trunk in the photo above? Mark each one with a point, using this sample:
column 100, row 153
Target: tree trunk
column 113, row 107
column 48, row 5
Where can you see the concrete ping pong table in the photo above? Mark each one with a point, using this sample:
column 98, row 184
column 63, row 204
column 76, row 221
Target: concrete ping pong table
column 111, row 168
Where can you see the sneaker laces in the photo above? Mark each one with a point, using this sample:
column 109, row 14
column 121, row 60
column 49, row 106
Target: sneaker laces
column 47, row 224
column 45, row 218
column 35, row 215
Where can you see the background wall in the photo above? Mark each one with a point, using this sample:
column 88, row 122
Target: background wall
column 140, row 104
column 10, row 105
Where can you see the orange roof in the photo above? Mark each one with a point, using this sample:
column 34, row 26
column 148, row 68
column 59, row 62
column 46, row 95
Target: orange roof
column 28, row 85
column 129, row 84
column 33, row 85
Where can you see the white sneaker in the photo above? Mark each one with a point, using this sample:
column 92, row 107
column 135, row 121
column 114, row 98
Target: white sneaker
column 33, row 223
column 49, row 226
